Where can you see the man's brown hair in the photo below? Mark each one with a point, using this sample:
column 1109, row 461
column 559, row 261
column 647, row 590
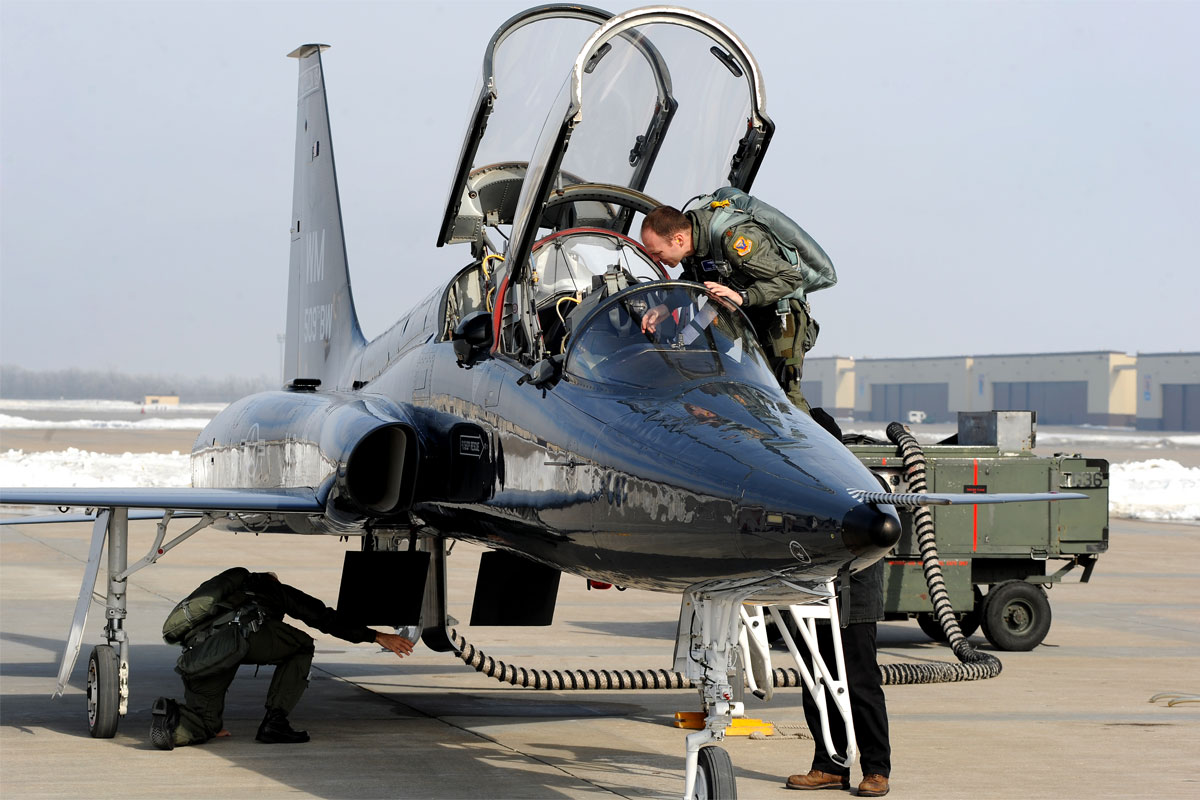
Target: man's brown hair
column 665, row 222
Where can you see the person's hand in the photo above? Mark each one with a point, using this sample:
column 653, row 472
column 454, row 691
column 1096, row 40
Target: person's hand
column 652, row 317
column 721, row 290
column 397, row 644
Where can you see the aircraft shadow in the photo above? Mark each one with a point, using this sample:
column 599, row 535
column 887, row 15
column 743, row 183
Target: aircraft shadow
column 399, row 742
column 659, row 629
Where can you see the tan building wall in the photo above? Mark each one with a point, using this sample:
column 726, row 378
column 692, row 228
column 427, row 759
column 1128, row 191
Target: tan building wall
column 835, row 376
column 161, row 400
column 935, row 386
column 1179, row 373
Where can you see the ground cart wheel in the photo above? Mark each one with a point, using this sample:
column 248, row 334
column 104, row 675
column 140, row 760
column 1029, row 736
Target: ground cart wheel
column 1016, row 615
column 968, row 623
column 103, row 692
column 714, row 776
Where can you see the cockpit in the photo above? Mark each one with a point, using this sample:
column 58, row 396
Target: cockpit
column 579, row 114
column 574, row 268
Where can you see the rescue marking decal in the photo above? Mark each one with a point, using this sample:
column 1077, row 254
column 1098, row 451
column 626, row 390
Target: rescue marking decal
column 742, row 246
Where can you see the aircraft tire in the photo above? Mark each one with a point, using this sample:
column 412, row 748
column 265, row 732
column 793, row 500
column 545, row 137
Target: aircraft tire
column 714, row 775
column 1016, row 616
column 103, row 692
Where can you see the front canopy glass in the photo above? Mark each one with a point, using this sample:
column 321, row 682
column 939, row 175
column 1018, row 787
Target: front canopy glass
column 663, row 334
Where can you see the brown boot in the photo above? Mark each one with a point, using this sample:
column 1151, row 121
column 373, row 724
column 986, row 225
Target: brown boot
column 873, row 786
column 816, row 779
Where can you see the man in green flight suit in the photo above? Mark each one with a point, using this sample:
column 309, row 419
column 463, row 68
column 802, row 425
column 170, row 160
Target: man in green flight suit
column 747, row 268
column 258, row 635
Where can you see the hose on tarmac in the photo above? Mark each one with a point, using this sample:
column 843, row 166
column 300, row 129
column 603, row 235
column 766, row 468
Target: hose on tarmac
column 565, row 679
column 974, row 665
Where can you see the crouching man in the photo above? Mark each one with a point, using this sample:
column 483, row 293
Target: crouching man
column 236, row 618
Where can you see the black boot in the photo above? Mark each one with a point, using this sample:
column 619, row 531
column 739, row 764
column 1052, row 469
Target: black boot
column 276, row 730
column 164, row 721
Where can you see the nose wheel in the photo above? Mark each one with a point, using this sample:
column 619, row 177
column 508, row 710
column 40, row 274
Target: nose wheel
column 714, row 775
column 103, row 692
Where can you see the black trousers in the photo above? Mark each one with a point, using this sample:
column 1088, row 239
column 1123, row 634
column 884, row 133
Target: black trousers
column 202, row 713
column 867, row 706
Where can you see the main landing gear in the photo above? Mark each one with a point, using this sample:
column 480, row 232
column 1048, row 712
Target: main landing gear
column 108, row 664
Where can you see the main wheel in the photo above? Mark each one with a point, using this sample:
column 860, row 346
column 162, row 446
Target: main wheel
column 103, row 692
column 714, row 776
column 1016, row 616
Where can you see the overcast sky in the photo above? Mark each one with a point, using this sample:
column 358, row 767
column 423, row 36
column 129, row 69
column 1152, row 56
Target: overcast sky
column 994, row 177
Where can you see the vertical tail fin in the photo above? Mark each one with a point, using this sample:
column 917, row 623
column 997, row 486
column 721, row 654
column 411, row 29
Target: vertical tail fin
column 322, row 327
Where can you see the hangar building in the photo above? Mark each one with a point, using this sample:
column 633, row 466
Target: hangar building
column 1063, row 388
column 1168, row 391
column 1092, row 388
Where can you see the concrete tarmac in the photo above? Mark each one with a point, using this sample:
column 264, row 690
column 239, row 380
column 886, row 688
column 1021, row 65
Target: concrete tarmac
column 1071, row 718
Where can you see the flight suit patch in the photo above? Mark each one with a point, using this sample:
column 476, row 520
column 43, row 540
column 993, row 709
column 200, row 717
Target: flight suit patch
column 742, row 246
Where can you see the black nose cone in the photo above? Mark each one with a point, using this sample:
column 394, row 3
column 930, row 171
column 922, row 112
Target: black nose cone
column 867, row 528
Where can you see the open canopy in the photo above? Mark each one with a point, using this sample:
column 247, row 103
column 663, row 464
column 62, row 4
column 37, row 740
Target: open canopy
column 665, row 101
column 587, row 120
column 612, row 124
column 523, row 68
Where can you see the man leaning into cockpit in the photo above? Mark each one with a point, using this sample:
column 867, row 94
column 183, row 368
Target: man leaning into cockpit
column 746, row 268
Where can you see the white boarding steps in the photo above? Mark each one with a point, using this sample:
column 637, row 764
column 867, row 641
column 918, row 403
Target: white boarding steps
column 712, row 627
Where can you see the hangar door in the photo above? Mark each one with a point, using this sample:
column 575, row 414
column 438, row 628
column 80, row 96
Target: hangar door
column 1056, row 402
column 1181, row 407
column 891, row 402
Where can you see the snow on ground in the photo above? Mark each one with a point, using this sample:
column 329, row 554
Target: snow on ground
column 1117, row 436
column 108, row 406
column 1154, row 489
column 83, row 469
column 151, row 422
column 1059, row 437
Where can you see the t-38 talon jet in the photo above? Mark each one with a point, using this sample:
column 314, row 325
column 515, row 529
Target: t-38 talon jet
column 521, row 406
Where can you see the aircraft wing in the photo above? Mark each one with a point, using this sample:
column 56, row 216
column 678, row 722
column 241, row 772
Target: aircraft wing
column 146, row 513
column 294, row 501
column 915, row 499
